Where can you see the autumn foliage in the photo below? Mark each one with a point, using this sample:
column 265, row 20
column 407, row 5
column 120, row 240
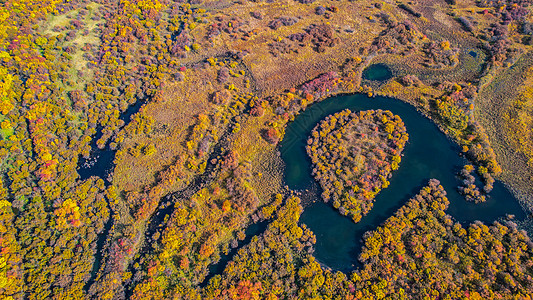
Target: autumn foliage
column 353, row 155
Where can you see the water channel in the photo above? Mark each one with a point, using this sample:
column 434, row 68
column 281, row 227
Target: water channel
column 428, row 154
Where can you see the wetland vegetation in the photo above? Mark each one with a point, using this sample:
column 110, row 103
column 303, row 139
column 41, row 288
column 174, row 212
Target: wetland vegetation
column 184, row 149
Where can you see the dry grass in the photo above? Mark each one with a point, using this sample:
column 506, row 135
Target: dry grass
column 267, row 166
column 492, row 104
column 275, row 74
column 173, row 117
column 439, row 26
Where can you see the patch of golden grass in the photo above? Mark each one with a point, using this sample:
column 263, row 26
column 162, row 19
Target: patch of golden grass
column 494, row 104
column 519, row 118
column 276, row 74
column 173, row 116
column 416, row 95
column 267, row 166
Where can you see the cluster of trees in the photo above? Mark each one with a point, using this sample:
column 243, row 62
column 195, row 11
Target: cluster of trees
column 233, row 27
column 398, row 37
column 11, row 277
column 353, row 155
column 273, row 265
column 327, row 11
column 200, row 228
column 500, row 46
column 50, row 221
column 321, row 86
column 319, row 37
column 453, row 116
column 440, row 55
column 410, row 80
column 48, row 120
column 282, row 21
column 468, row 187
column 271, row 135
column 452, row 110
column 507, row 10
column 418, row 252
column 505, row 19
column 422, row 251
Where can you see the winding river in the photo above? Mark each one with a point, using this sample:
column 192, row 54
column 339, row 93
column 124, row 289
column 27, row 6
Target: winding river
column 428, row 154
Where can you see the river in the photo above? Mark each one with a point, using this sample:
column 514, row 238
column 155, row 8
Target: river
column 428, row 154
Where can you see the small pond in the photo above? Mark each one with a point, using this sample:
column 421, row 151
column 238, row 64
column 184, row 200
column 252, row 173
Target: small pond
column 101, row 161
column 377, row 72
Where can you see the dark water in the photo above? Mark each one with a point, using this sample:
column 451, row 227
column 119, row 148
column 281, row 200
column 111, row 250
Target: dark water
column 473, row 54
column 100, row 162
column 378, row 72
column 428, row 154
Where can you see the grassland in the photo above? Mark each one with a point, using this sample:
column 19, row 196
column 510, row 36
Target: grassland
column 493, row 104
